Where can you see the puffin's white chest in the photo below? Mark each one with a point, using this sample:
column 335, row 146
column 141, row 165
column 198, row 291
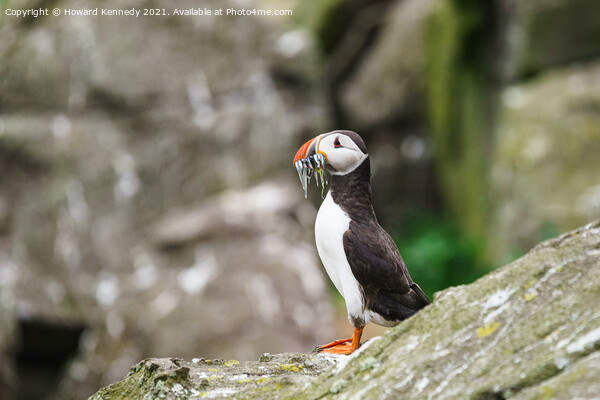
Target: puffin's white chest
column 331, row 224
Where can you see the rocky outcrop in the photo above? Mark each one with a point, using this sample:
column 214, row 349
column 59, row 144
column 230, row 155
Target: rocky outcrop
column 172, row 378
column 526, row 331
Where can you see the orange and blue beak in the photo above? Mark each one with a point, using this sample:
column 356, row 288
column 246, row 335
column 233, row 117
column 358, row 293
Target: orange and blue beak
column 308, row 149
column 308, row 160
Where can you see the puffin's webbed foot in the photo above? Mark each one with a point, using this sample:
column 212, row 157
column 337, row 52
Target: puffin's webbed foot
column 319, row 349
column 343, row 346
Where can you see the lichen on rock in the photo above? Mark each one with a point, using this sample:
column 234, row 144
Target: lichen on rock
column 201, row 378
column 477, row 341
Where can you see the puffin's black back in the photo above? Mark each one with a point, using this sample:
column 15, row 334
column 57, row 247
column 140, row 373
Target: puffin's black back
column 373, row 256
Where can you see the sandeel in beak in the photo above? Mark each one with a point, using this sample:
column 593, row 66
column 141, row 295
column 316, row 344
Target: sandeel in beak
column 308, row 161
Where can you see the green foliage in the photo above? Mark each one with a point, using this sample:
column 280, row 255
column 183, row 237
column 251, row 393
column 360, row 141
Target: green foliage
column 436, row 254
column 459, row 82
column 548, row 230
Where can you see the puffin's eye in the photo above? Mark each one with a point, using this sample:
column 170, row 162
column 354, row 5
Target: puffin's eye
column 336, row 143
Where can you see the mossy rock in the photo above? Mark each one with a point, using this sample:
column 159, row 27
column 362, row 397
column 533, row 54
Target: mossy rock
column 526, row 331
column 178, row 379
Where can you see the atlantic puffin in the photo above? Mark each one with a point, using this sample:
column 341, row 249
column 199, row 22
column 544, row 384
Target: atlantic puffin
column 359, row 256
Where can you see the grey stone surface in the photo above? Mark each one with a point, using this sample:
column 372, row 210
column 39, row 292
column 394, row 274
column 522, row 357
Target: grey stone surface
column 218, row 378
column 526, row 331
column 545, row 166
column 389, row 82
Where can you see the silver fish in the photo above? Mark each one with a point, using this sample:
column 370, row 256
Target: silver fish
column 309, row 167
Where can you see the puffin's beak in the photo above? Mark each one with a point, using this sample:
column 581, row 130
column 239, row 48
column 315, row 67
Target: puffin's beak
column 308, row 149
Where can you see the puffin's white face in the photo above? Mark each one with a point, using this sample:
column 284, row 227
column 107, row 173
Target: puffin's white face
column 341, row 153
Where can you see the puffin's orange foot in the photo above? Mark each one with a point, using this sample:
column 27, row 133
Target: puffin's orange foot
column 343, row 346
column 332, row 344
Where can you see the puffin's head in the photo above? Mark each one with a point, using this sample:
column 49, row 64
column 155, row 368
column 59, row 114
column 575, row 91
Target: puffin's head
column 340, row 152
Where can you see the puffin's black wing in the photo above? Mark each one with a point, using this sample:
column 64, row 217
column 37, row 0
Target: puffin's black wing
column 378, row 267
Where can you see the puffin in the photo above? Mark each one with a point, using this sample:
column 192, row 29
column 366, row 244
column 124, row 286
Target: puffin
column 359, row 256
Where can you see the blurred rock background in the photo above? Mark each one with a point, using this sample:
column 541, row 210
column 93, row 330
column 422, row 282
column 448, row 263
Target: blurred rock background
column 148, row 206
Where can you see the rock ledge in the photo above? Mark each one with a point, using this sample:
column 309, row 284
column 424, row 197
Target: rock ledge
column 528, row 330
